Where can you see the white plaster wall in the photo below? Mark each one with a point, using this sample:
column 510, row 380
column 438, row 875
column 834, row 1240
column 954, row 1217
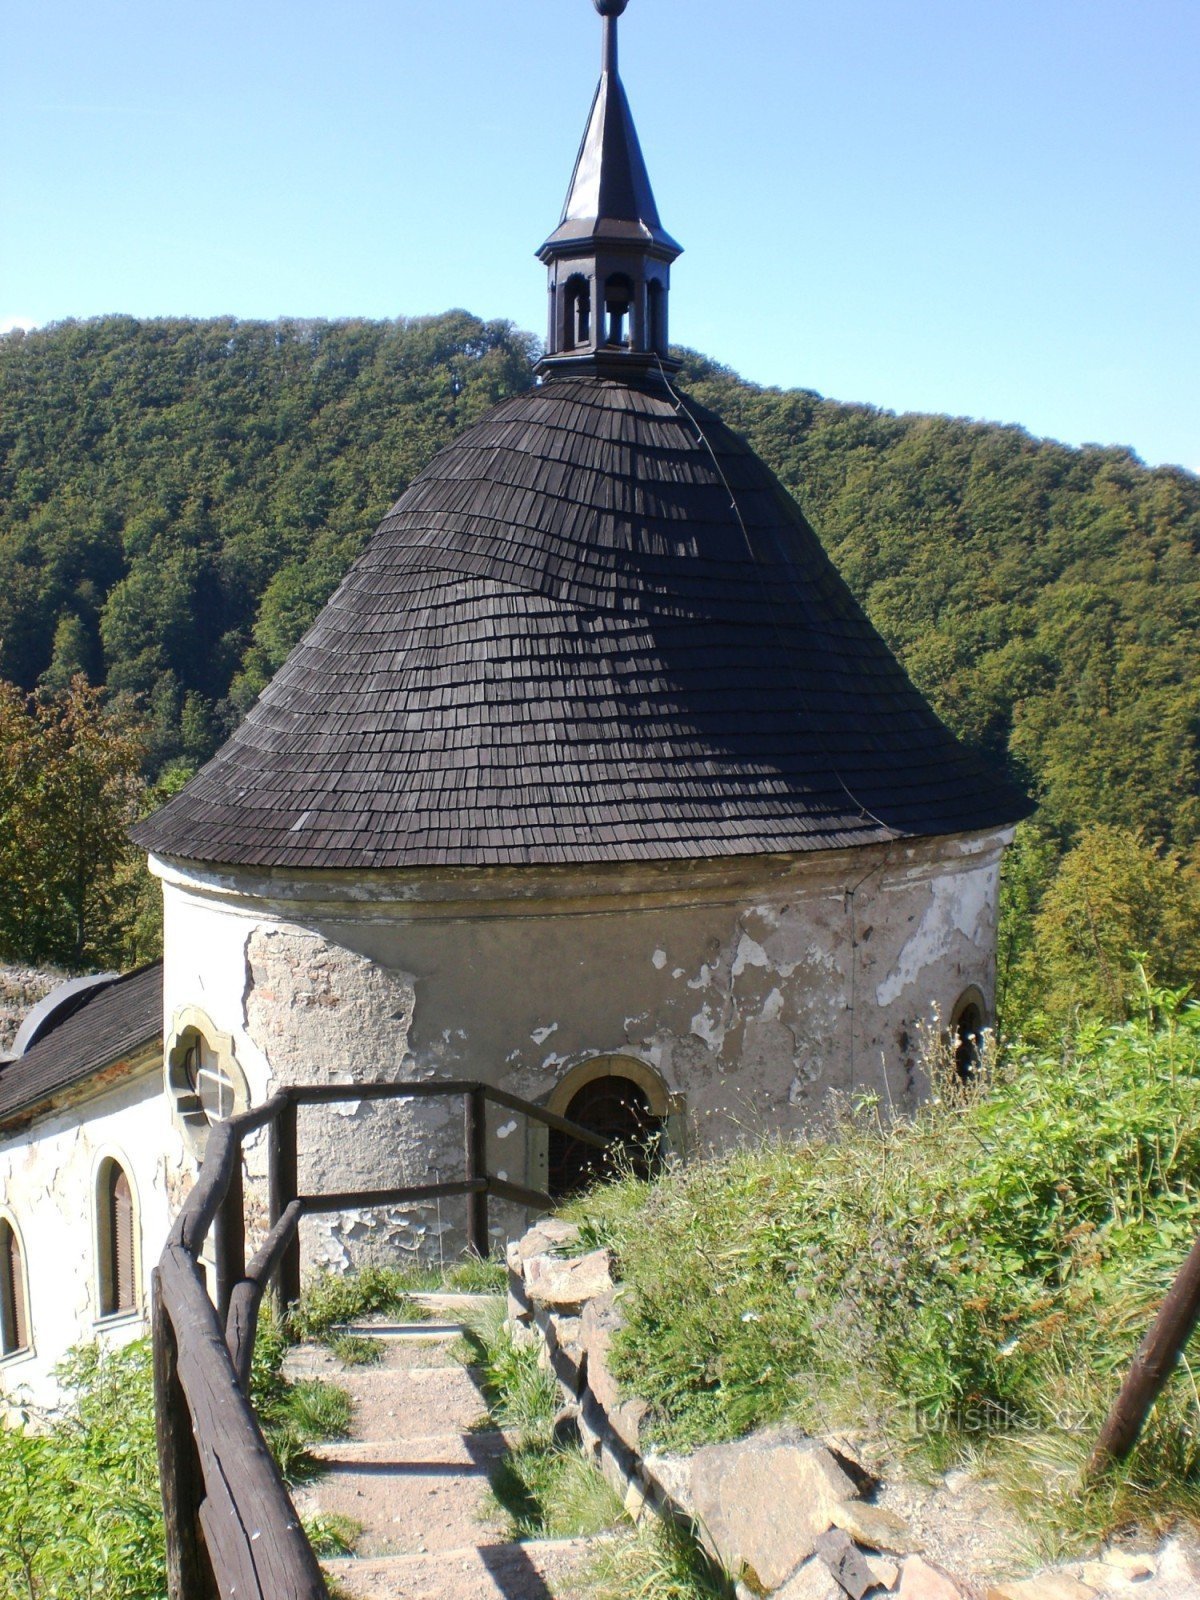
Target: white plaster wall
column 48, row 1177
column 753, row 987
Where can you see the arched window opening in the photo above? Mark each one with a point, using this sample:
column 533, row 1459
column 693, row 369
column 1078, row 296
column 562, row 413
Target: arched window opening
column 208, row 1079
column 968, row 1034
column 619, row 1110
column 204, row 1080
column 578, row 314
column 618, row 302
column 14, row 1312
column 117, row 1241
column 656, row 307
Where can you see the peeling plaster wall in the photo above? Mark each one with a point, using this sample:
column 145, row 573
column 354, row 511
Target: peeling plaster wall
column 48, row 1176
column 753, row 987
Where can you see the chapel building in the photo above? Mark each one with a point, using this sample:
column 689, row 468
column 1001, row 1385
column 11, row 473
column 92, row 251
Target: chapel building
column 592, row 781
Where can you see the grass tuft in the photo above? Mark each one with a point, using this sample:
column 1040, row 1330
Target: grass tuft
column 474, row 1275
column 354, row 1349
column 658, row 1562
column 334, row 1299
column 522, row 1399
column 331, row 1534
column 294, row 1415
column 553, row 1493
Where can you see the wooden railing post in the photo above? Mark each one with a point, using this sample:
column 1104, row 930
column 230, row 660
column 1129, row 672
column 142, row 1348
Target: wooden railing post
column 282, row 1180
column 188, row 1574
column 475, row 1116
column 229, row 1241
column 1152, row 1367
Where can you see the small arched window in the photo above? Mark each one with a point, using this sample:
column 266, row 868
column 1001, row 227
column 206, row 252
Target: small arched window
column 208, row 1079
column 968, row 1025
column 14, row 1309
column 618, row 302
column 577, row 334
column 656, row 308
column 117, row 1241
column 203, row 1077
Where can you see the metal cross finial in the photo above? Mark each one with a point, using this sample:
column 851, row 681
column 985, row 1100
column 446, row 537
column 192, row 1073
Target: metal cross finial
column 610, row 10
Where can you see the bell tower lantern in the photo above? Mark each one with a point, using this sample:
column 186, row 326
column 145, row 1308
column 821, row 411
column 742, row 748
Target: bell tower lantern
column 609, row 259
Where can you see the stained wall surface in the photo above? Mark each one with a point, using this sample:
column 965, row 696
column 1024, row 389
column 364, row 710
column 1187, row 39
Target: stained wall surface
column 750, row 989
column 49, row 1176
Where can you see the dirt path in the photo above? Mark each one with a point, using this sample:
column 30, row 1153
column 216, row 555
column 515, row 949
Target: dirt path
column 414, row 1475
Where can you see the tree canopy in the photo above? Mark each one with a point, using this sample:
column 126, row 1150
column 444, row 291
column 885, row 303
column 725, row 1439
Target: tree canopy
column 178, row 498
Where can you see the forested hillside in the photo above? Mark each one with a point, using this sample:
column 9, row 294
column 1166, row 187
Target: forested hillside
column 177, row 499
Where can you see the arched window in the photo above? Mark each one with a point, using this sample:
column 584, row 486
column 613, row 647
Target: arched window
column 618, row 302
column 14, row 1309
column 621, row 1111
column 117, row 1241
column 968, row 1024
column 203, row 1077
column 656, row 308
column 577, row 332
column 208, row 1078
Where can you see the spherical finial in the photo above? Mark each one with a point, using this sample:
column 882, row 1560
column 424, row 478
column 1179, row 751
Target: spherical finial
column 611, row 8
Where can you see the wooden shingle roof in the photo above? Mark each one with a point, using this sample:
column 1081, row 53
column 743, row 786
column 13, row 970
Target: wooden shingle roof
column 594, row 629
column 116, row 1022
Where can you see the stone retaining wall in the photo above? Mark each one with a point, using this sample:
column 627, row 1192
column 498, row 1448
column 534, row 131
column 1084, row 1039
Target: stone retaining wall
column 792, row 1517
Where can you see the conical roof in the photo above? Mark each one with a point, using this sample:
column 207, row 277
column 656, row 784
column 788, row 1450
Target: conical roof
column 594, row 629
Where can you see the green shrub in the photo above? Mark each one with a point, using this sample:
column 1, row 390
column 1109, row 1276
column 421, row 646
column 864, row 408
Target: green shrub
column 974, row 1280
column 80, row 1514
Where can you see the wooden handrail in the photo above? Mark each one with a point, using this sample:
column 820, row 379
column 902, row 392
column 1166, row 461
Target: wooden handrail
column 232, row 1531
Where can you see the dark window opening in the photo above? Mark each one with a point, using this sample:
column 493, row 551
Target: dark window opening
column 968, row 1043
column 578, row 331
column 618, row 1110
column 656, row 304
column 118, row 1265
column 14, row 1314
column 618, row 302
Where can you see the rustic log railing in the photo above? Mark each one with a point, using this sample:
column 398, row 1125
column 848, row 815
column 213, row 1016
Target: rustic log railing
column 232, row 1532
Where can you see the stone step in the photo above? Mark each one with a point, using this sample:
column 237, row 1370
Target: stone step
column 539, row 1570
column 413, row 1332
column 412, row 1402
column 415, row 1496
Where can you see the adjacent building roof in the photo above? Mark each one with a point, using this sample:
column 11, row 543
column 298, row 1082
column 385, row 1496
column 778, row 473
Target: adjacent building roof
column 596, row 628
column 115, row 1022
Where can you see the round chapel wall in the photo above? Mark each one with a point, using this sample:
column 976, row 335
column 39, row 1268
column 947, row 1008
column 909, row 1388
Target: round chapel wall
column 745, row 991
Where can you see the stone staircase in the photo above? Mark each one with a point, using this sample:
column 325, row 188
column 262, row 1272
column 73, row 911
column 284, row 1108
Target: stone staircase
column 414, row 1475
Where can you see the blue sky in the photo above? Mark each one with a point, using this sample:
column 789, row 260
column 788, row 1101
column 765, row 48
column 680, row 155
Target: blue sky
column 984, row 207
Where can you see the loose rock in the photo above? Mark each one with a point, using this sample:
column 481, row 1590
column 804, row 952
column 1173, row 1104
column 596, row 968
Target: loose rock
column 874, row 1526
column 919, row 1580
column 1047, row 1586
column 763, row 1501
column 886, row 1573
column 812, row 1580
column 566, row 1284
column 543, row 1238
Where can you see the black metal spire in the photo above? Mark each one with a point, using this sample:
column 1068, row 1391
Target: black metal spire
column 610, row 256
